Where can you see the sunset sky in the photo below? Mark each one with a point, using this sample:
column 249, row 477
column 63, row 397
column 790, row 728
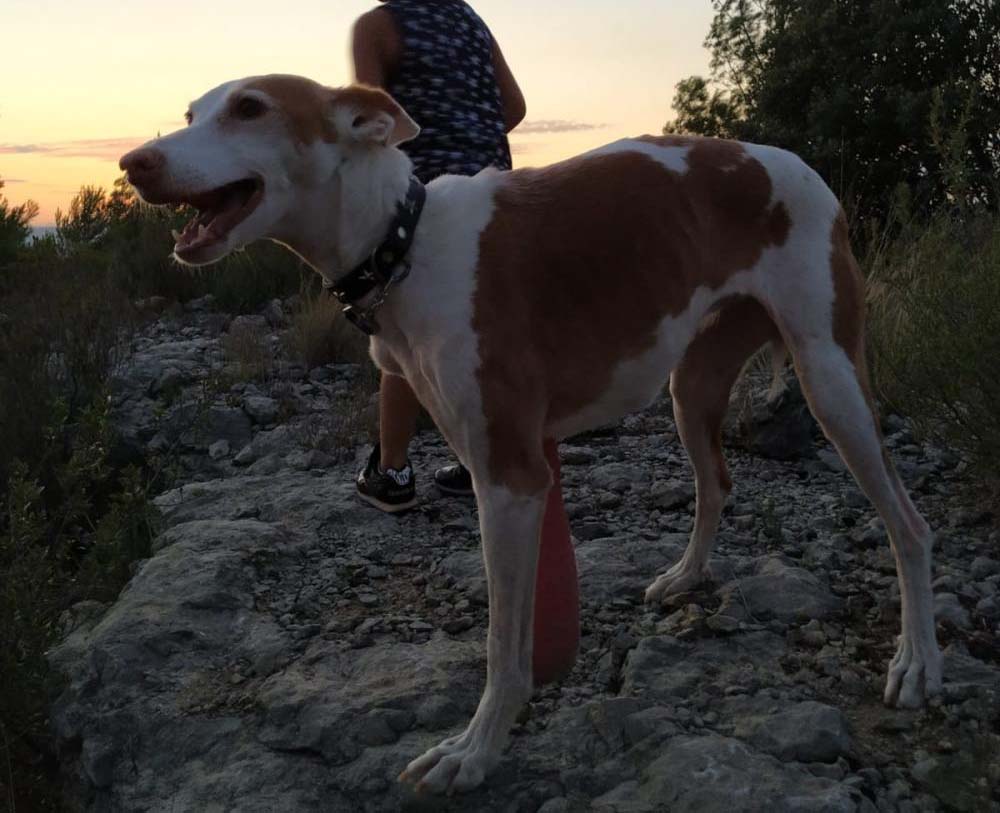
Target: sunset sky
column 83, row 82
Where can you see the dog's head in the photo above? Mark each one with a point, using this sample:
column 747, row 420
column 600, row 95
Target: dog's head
column 249, row 149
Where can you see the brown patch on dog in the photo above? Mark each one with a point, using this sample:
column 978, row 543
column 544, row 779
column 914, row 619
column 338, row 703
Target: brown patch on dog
column 574, row 279
column 307, row 105
column 701, row 383
column 848, row 292
column 849, row 314
column 304, row 103
column 371, row 101
column 365, row 97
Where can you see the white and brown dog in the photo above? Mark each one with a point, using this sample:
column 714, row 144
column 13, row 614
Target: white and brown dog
column 543, row 302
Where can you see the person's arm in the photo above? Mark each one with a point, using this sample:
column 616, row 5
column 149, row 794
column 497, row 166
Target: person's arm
column 510, row 94
column 375, row 47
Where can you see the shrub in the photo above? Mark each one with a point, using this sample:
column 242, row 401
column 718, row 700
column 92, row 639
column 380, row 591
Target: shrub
column 935, row 330
column 134, row 241
column 63, row 541
column 70, row 522
column 14, row 228
column 248, row 352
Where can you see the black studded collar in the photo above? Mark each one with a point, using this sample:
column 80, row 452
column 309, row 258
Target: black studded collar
column 379, row 269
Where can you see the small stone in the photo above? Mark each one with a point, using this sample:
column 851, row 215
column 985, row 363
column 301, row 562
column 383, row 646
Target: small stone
column 719, row 622
column 219, row 449
column 671, row 495
column 456, row 625
column 982, row 567
column 245, row 456
column 260, row 408
column 948, row 608
column 831, row 460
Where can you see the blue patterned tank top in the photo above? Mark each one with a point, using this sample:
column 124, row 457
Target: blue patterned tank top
column 445, row 81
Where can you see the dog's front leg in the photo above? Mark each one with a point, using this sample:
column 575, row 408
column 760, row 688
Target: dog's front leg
column 510, row 525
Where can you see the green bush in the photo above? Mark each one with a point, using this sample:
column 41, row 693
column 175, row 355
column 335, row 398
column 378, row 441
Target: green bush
column 934, row 320
column 69, row 531
column 14, row 228
column 134, row 242
column 70, row 522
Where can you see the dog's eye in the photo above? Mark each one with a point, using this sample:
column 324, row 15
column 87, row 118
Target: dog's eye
column 250, row 108
column 188, row 117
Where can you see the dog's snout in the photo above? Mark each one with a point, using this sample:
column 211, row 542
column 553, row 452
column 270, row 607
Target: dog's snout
column 143, row 163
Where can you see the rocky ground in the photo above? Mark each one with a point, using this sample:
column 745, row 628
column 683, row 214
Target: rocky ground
column 287, row 648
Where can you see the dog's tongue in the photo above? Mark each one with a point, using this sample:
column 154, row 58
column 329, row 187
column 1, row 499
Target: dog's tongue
column 557, row 601
column 213, row 223
column 222, row 218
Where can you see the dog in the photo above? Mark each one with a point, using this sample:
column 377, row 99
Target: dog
column 539, row 303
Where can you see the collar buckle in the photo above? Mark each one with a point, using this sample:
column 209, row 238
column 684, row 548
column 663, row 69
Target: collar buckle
column 384, row 267
column 362, row 320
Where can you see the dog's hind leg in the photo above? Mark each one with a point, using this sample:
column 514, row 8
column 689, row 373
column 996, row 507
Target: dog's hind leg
column 830, row 363
column 510, row 517
column 837, row 394
column 700, row 389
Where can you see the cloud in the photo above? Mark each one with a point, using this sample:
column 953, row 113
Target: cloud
column 555, row 126
column 106, row 149
column 13, row 180
column 20, row 149
column 517, row 148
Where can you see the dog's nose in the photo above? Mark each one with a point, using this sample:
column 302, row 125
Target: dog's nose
column 142, row 164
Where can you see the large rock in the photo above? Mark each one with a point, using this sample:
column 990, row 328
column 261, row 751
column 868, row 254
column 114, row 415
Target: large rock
column 665, row 669
column 713, row 774
column 805, row 732
column 617, row 567
column 781, row 428
column 778, row 590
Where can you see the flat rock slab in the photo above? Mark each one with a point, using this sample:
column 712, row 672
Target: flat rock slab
column 781, row 591
column 713, row 774
column 672, row 670
column 287, row 648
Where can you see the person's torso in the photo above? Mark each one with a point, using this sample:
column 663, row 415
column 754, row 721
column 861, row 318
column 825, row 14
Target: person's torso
column 446, row 83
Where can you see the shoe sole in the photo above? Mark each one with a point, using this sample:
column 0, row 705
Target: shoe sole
column 454, row 492
column 388, row 507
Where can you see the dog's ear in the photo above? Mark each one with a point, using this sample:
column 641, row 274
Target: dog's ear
column 367, row 115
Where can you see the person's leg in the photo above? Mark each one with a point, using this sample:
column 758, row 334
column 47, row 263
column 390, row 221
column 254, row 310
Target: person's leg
column 398, row 410
column 387, row 480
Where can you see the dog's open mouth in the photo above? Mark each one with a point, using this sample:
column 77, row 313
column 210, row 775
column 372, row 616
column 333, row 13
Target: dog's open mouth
column 219, row 212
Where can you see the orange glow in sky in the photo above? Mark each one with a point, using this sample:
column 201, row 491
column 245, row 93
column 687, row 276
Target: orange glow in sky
column 81, row 83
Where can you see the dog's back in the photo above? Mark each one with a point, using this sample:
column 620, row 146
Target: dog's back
column 595, row 273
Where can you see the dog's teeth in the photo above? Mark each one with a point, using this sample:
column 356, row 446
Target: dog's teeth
column 202, row 230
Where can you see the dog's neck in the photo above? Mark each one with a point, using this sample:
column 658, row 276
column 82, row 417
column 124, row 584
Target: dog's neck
column 345, row 218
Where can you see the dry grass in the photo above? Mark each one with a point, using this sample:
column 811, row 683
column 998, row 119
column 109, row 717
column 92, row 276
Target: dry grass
column 320, row 334
column 248, row 352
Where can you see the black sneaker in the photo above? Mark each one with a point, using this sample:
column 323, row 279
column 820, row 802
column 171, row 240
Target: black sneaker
column 391, row 490
column 455, row 480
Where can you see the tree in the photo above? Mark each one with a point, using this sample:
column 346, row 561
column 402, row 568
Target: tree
column 88, row 221
column 704, row 111
column 852, row 86
column 14, row 226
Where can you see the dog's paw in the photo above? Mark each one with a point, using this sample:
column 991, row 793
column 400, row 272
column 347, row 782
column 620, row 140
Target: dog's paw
column 914, row 675
column 679, row 579
column 456, row 765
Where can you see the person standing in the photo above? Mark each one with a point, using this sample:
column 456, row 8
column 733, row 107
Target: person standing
column 439, row 60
